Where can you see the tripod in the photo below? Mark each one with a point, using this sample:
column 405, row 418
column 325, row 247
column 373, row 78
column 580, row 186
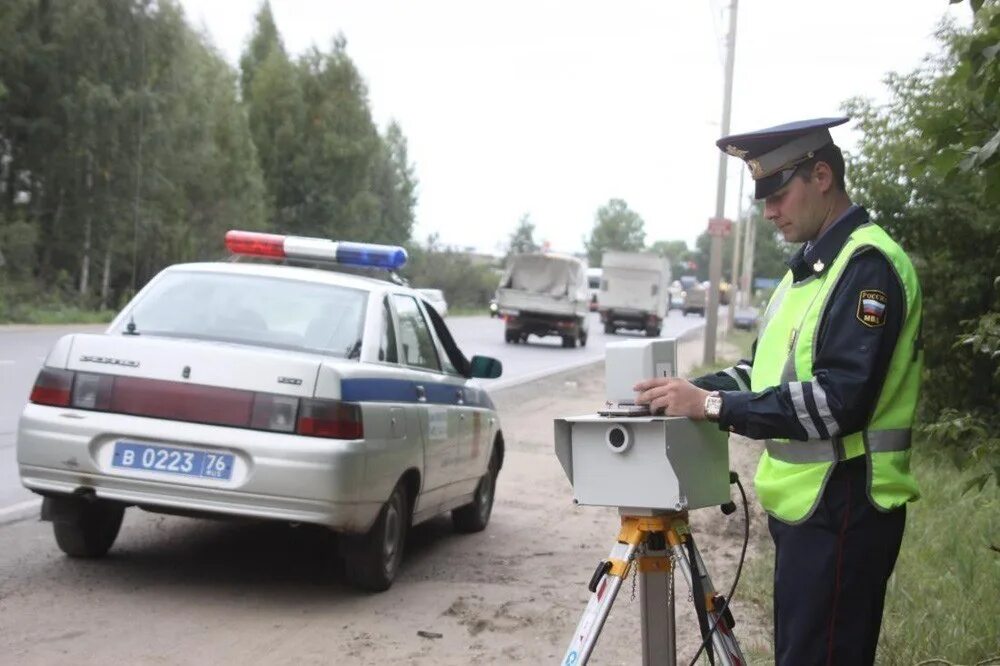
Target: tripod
column 667, row 543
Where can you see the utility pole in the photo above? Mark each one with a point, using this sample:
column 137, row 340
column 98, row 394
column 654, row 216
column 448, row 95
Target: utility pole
column 715, row 258
column 734, row 270
column 749, row 242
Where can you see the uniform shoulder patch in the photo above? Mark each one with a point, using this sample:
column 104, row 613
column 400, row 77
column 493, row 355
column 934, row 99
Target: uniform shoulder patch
column 871, row 307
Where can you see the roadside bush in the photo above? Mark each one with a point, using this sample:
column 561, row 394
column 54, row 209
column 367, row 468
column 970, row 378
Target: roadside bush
column 465, row 284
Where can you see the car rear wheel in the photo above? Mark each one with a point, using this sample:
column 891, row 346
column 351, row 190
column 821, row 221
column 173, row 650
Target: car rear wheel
column 653, row 332
column 568, row 341
column 474, row 517
column 372, row 560
column 82, row 527
column 609, row 328
column 583, row 339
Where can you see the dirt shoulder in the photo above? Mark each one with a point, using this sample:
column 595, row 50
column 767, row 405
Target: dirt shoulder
column 179, row 591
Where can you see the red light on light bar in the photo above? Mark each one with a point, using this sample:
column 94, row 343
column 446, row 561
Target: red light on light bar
column 251, row 242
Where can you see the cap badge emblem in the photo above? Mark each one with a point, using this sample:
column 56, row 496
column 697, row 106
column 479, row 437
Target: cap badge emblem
column 819, row 266
column 736, row 152
column 756, row 170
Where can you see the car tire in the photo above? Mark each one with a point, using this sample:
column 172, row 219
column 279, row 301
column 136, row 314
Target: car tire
column 583, row 339
column 653, row 332
column 475, row 516
column 84, row 528
column 507, row 337
column 609, row 329
column 372, row 560
column 568, row 342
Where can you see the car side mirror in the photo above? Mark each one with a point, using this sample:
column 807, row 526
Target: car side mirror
column 485, row 367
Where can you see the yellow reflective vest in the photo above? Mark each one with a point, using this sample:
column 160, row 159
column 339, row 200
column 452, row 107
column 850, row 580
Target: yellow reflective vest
column 792, row 474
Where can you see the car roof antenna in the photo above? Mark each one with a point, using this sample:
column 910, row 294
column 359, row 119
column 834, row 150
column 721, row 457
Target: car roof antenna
column 130, row 327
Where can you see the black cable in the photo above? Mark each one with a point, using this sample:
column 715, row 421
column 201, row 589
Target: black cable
column 739, row 569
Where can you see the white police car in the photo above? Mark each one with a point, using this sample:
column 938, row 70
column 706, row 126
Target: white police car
column 271, row 391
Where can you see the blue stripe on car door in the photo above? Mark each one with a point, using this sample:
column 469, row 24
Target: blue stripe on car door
column 405, row 390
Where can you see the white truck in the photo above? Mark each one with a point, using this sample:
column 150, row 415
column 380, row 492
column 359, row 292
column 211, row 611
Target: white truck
column 544, row 294
column 634, row 291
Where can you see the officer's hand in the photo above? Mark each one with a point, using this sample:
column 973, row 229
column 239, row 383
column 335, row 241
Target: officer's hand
column 672, row 396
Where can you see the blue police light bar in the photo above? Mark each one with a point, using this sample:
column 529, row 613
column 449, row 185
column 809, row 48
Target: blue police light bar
column 365, row 255
column 369, row 254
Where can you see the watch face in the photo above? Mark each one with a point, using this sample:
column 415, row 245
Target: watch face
column 713, row 405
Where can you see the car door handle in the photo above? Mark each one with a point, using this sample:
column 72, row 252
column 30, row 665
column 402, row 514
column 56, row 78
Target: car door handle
column 421, row 394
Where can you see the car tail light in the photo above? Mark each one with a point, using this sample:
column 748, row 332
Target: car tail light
column 53, row 387
column 92, row 391
column 274, row 412
column 330, row 418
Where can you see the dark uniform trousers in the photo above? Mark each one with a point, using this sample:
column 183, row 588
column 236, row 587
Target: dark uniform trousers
column 830, row 574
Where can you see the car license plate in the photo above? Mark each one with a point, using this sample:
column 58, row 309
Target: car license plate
column 170, row 460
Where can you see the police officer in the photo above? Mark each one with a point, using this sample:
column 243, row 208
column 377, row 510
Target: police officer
column 831, row 388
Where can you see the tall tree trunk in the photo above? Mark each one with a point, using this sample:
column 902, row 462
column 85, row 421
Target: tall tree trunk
column 88, row 219
column 106, row 277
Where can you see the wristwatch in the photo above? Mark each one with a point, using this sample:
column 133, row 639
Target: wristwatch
column 713, row 406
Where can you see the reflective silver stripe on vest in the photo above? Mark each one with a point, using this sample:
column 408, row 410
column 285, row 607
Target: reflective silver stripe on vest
column 799, row 402
column 885, row 441
column 810, row 451
column 827, row 451
column 823, row 409
column 739, row 375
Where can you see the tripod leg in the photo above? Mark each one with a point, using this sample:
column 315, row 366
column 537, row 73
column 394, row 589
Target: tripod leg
column 656, row 598
column 605, row 586
column 726, row 648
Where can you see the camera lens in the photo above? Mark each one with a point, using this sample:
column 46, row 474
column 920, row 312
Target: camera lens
column 618, row 438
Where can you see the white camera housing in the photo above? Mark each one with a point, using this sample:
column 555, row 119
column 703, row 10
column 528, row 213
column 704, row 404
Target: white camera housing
column 631, row 361
column 643, row 462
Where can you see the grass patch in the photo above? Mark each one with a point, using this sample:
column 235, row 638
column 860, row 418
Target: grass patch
column 941, row 598
column 469, row 312
column 56, row 315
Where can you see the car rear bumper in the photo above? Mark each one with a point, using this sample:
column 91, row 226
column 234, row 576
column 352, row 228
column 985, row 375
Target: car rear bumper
column 275, row 476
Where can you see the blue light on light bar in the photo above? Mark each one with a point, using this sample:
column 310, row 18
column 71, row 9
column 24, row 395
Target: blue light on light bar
column 371, row 255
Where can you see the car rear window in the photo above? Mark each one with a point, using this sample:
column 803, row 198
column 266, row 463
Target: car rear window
column 245, row 309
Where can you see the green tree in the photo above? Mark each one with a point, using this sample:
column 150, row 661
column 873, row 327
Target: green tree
column 522, row 239
column 616, row 227
column 124, row 144
column 927, row 171
column 676, row 251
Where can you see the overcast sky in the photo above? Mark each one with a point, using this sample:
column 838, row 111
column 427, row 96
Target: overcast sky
column 554, row 107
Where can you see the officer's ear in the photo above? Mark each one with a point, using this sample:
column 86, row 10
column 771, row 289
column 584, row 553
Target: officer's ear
column 823, row 175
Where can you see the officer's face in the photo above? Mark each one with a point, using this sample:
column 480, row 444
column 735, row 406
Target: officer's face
column 796, row 210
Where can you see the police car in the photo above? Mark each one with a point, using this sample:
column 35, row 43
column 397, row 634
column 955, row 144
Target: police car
column 265, row 389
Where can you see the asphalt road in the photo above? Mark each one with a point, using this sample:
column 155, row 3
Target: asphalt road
column 22, row 350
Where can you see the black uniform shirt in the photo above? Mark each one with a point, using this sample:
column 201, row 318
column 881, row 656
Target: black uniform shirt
column 852, row 356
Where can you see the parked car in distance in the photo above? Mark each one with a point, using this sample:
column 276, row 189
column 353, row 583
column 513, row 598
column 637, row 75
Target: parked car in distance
column 676, row 298
column 436, row 298
column 695, row 296
column 745, row 318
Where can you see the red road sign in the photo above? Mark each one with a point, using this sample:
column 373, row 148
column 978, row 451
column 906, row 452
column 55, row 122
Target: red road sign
column 720, row 226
